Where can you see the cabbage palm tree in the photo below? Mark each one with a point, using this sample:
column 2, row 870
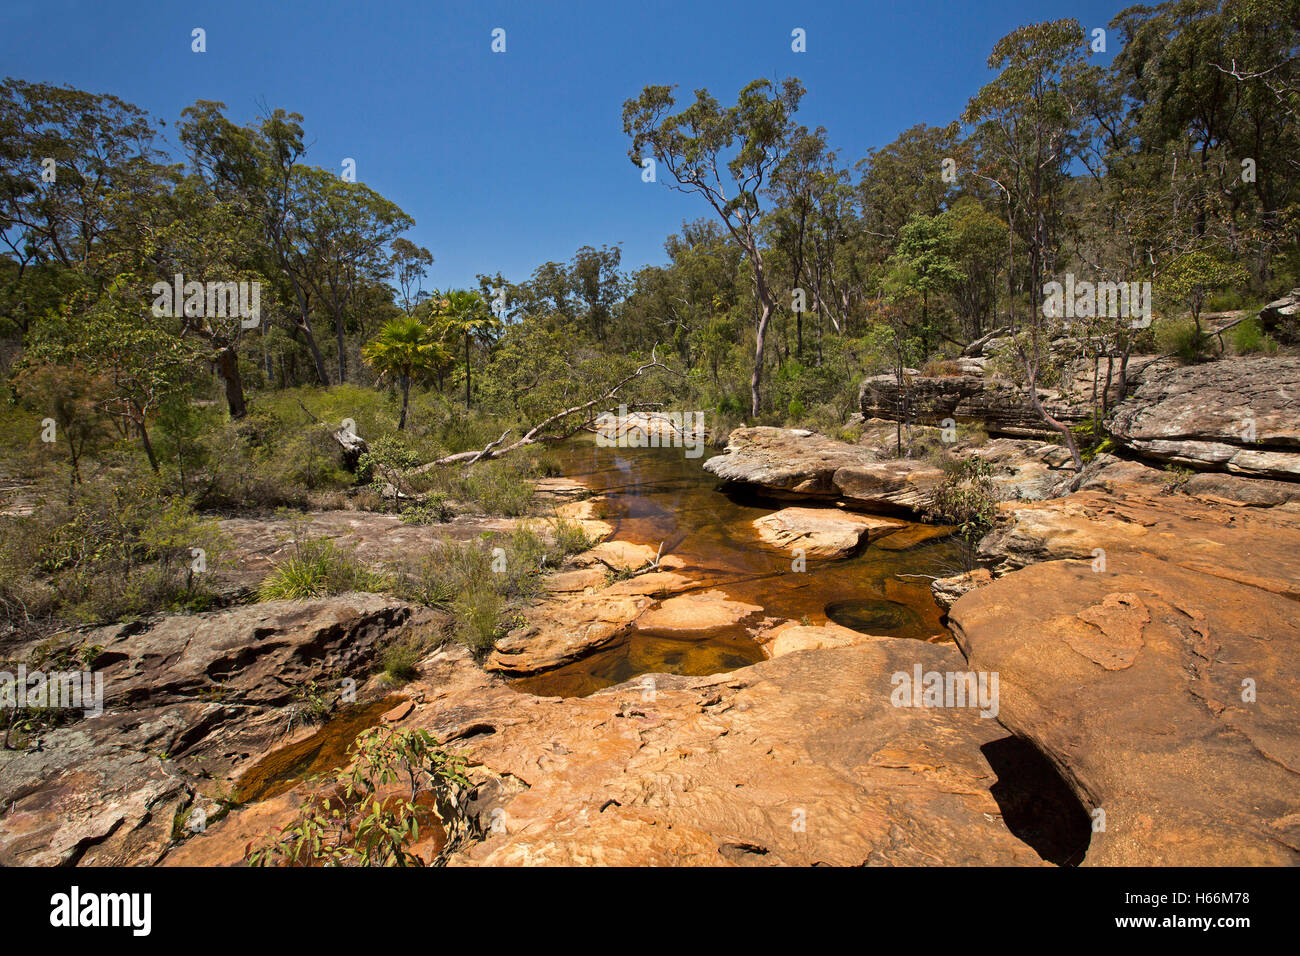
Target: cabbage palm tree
column 408, row 350
column 467, row 314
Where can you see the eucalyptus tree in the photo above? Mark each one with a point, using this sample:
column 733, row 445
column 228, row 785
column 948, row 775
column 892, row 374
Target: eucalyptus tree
column 408, row 265
column 140, row 363
column 1217, row 82
column 205, row 238
column 1026, row 121
column 254, row 168
column 596, row 283
column 82, row 186
column 795, row 190
column 916, row 174
column 337, row 236
column 68, row 162
column 693, row 302
column 926, row 263
column 841, row 251
column 727, row 155
column 978, row 238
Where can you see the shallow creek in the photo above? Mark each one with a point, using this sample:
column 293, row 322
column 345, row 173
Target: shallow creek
column 655, row 495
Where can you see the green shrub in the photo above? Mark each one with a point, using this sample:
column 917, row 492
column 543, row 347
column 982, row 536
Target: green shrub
column 357, row 825
column 499, row 487
column 1249, row 336
column 545, row 464
column 400, row 659
column 112, row 548
column 318, row 567
column 569, row 537
column 435, row 509
column 479, row 618
column 1179, row 338
column 1092, row 440
column 481, row 583
column 966, row 498
column 731, row 407
column 1179, row 476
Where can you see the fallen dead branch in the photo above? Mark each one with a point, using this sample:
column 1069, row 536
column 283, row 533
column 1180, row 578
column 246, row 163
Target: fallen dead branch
column 536, row 433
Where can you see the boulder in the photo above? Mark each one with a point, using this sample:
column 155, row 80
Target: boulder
column 257, row 654
column 799, row 760
column 800, row 637
column 561, row 631
column 947, row 590
column 1281, row 318
column 901, row 485
column 704, row 611
column 823, row 532
column 1140, row 685
column 912, row 536
column 785, row 462
column 187, row 699
column 1026, row 470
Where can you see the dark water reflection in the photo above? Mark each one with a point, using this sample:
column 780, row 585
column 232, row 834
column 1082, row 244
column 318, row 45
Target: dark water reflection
column 658, row 495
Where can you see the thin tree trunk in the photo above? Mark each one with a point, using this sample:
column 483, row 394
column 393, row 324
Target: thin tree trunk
column 756, row 381
column 148, row 445
column 1056, row 425
column 338, row 338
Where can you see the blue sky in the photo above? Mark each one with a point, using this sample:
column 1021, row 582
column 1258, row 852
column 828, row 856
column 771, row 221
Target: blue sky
column 508, row 160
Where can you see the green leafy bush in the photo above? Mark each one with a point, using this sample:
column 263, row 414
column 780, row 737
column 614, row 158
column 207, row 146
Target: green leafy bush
column 481, row 584
column 115, row 547
column 435, row 509
column 1249, row 336
column 966, row 498
column 1181, row 339
column 400, row 658
column 363, row 822
column 479, row 615
column 317, row 567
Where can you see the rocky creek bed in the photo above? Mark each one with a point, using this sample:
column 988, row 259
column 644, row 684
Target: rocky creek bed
column 711, row 711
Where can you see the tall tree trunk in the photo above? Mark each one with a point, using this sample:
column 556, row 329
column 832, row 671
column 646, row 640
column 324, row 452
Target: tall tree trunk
column 338, row 337
column 466, row 370
column 317, row 358
column 304, row 326
column 228, row 369
column 925, row 323
column 756, row 381
column 406, row 395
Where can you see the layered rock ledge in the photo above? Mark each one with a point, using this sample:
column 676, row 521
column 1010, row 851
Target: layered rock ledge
column 185, row 699
column 1240, row 415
